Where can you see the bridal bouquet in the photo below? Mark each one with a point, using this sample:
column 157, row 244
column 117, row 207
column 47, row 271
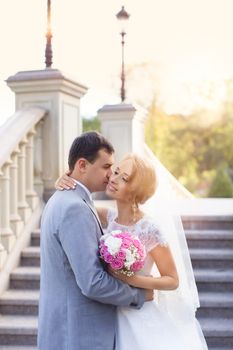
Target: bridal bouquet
column 122, row 251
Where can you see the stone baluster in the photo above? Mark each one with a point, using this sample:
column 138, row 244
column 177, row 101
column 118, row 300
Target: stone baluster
column 24, row 209
column 38, row 166
column 7, row 235
column 3, row 252
column 31, row 195
column 15, row 219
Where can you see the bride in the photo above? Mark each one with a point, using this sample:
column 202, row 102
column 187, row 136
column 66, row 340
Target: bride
column 169, row 321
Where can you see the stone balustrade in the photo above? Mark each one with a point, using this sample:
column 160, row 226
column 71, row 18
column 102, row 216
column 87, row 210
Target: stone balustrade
column 21, row 183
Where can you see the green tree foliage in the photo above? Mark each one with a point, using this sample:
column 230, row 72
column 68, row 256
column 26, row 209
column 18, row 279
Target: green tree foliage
column 222, row 185
column 91, row 124
column 192, row 152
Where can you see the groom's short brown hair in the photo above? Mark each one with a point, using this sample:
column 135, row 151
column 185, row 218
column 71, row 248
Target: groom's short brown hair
column 87, row 146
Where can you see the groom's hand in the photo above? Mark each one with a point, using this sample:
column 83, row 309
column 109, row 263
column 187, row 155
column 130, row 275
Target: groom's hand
column 149, row 295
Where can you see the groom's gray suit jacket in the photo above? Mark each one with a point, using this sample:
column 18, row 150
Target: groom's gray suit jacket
column 78, row 298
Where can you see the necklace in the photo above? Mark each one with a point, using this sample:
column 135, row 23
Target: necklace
column 133, row 220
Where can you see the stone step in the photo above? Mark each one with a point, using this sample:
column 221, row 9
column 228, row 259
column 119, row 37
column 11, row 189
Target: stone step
column 19, row 302
column 218, row 332
column 25, row 277
column 223, row 222
column 211, row 258
column 35, row 238
column 214, row 348
column 16, row 347
column 30, row 256
column 215, row 305
column 225, row 348
column 18, row 330
column 211, row 249
column 214, row 280
column 209, row 238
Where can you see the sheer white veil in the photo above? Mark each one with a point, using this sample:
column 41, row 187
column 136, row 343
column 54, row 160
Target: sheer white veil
column 182, row 303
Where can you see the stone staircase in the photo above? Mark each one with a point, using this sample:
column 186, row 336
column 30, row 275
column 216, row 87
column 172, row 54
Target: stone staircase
column 211, row 246
column 19, row 304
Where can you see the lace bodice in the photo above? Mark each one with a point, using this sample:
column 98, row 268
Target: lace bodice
column 145, row 229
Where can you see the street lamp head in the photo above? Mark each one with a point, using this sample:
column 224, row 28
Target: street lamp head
column 123, row 17
column 123, row 14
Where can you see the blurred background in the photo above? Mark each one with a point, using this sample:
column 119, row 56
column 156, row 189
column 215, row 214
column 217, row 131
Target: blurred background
column 178, row 65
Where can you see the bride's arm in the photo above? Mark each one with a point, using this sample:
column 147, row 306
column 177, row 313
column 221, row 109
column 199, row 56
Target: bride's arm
column 168, row 279
column 65, row 182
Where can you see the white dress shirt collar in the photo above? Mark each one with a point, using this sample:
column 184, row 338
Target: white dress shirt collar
column 84, row 187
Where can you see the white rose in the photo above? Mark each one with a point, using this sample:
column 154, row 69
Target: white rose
column 113, row 244
column 114, row 232
column 130, row 258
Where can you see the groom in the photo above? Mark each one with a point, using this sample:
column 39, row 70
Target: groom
column 78, row 298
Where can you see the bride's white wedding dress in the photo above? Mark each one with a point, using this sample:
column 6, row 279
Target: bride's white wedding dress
column 151, row 327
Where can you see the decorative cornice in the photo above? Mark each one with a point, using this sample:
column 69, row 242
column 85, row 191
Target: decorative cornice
column 122, row 111
column 45, row 80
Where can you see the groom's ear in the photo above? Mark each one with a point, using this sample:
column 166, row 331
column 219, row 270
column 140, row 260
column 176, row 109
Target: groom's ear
column 81, row 165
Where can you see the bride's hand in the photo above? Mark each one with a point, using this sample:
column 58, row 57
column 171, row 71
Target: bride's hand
column 122, row 277
column 134, row 281
column 65, row 182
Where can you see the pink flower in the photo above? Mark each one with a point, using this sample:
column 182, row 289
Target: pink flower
column 123, row 235
column 108, row 258
column 102, row 245
column 122, row 251
column 141, row 253
column 121, row 255
column 136, row 243
column 103, row 249
column 126, row 242
column 137, row 266
column 125, row 245
column 117, row 264
column 118, row 235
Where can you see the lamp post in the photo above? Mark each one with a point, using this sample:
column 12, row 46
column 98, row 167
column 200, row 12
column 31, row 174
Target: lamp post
column 123, row 17
column 48, row 49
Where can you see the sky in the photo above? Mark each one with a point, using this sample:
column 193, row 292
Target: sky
column 181, row 41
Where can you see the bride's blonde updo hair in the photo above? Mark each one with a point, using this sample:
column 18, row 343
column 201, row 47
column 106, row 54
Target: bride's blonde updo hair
column 142, row 181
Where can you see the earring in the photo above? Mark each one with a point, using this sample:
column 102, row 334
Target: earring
column 135, row 208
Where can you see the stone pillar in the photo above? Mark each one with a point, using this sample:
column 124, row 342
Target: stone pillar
column 60, row 95
column 31, row 195
column 38, row 152
column 3, row 255
column 7, row 235
column 3, row 252
column 123, row 125
column 15, row 219
column 23, row 207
